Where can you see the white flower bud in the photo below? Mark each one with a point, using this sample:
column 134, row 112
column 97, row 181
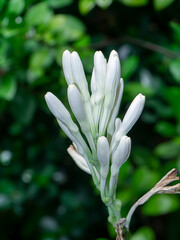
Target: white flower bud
column 99, row 70
column 115, row 110
column 59, row 111
column 133, row 113
column 112, row 78
column 66, row 62
column 74, row 137
column 103, row 155
column 120, row 155
column 79, row 75
column 103, row 158
column 111, row 83
column 77, row 106
column 79, row 160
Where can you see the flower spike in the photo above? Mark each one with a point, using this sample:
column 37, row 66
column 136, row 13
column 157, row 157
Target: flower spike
column 100, row 145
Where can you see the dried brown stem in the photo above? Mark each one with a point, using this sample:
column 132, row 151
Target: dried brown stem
column 160, row 188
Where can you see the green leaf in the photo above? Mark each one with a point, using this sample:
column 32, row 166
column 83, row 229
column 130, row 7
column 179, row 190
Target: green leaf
column 176, row 29
column 134, row 88
column 2, row 2
column 16, row 6
column 144, row 233
column 149, row 179
column 161, row 4
column 86, row 6
column 172, row 94
column 59, row 3
column 168, row 150
column 129, row 66
column 38, row 14
column 166, row 129
column 134, row 3
column 174, row 68
column 42, row 58
column 23, row 108
column 103, row 3
column 66, row 28
column 8, row 87
column 161, row 204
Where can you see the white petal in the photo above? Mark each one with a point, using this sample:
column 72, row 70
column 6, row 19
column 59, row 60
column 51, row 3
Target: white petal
column 66, row 62
column 79, row 160
column 59, row 111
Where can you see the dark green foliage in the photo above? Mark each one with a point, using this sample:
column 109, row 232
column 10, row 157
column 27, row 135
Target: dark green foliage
column 43, row 195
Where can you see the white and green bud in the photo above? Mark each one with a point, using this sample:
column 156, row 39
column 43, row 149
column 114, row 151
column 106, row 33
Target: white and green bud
column 103, row 158
column 75, row 137
column 66, row 63
column 60, row 112
column 100, row 71
column 111, row 84
column 119, row 157
column 133, row 113
column 111, row 126
column 77, row 107
column 79, row 75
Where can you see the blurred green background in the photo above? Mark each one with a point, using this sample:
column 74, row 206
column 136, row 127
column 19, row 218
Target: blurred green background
column 43, row 194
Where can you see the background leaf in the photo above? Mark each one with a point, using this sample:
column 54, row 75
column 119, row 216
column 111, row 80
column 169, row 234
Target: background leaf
column 161, row 4
column 7, row 87
column 160, row 204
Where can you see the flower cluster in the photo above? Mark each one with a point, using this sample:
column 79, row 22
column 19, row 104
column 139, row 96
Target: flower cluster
column 100, row 145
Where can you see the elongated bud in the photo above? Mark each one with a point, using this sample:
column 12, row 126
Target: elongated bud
column 79, row 75
column 133, row 113
column 59, row 111
column 112, row 77
column 111, row 84
column 79, row 160
column 77, row 106
column 100, row 70
column 115, row 110
column 103, row 155
column 66, row 62
column 75, row 137
column 120, row 155
column 103, row 158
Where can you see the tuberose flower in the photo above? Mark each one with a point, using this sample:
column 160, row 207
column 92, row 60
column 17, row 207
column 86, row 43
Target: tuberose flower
column 103, row 147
